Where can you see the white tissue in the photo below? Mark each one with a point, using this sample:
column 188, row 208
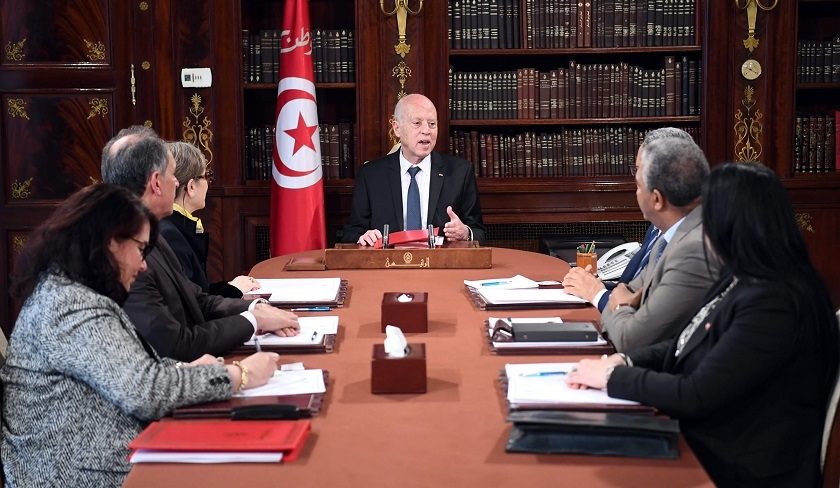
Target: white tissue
column 404, row 298
column 395, row 343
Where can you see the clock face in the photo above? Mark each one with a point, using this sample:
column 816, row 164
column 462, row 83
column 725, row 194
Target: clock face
column 751, row 69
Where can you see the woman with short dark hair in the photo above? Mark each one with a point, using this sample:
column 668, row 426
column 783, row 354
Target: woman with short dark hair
column 750, row 375
column 79, row 382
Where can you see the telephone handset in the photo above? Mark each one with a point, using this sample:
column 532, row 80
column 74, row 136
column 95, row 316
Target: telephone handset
column 613, row 262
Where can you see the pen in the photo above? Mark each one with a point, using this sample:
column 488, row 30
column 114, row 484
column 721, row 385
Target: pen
column 257, row 343
column 312, row 309
column 543, row 373
column 494, row 283
column 314, row 336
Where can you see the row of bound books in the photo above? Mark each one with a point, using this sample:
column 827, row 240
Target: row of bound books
column 818, row 61
column 337, row 151
column 579, row 91
column 550, row 24
column 333, row 56
column 591, row 151
column 815, row 142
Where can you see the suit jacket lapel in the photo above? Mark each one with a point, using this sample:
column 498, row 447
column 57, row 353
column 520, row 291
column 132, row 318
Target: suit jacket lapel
column 435, row 187
column 701, row 332
column 165, row 260
column 394, row 183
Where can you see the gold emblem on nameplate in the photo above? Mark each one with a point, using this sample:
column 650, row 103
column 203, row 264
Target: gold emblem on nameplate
column 408, row 258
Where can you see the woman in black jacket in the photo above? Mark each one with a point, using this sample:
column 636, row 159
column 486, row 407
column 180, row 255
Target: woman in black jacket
column 750, row 376
column 185, row 233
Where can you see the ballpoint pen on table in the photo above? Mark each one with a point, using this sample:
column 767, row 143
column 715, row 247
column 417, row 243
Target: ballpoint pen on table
column 494, row 283
column 543, row 373
column 312, row 309
column 314, row 336
column 257, row 343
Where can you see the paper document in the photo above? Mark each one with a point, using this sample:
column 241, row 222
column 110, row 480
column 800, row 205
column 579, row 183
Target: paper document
column 497, row 296
column 298, row 290
column 536, row 345
column 511, row 283
column 289, row 383
column 312, row 331
column 199, row 457
column 545, row 383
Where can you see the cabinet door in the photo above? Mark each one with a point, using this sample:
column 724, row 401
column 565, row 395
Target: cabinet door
column 64, row 90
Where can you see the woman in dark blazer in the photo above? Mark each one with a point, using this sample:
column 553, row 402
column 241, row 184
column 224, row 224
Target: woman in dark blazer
column 750, row 376
column 79, row 383
column 185, row 233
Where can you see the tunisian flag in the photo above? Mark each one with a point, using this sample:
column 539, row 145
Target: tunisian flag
column 297, row 192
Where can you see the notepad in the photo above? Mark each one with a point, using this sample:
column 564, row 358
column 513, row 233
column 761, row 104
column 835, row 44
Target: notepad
column 526, row 387
column 312, row 331
column 296, row 382
column 299, row 290
column 499, row 296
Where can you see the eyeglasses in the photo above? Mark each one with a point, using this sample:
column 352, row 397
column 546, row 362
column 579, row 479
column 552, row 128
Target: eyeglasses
column 208, row 175
column 143, row 247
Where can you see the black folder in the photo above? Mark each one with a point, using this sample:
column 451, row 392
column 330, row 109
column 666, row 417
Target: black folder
column 595, row 433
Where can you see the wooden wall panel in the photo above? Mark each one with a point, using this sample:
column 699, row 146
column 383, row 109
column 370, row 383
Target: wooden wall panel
column 47, row 32
column 51, row 143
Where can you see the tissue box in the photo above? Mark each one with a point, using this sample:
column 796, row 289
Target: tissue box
column 410, row 316
column 398, row 375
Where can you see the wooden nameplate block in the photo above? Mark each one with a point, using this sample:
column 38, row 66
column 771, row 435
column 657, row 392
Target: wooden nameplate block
column 463, row 254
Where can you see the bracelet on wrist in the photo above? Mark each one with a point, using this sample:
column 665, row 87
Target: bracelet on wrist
column 243, row 378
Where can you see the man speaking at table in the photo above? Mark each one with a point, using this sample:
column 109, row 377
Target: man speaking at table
column 414, row 187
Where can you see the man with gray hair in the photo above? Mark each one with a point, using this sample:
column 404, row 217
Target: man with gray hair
column 170, row 312
column 670, row 174
column 583, row 283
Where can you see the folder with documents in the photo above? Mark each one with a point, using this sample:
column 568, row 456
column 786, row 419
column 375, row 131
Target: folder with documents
column 171, row 440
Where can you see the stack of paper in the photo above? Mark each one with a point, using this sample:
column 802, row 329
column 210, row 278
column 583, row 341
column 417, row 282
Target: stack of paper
column 312, row 331
column 545, row 384
column 512, row 283
column 289, row 382
column 497, row 296
column 299, row 290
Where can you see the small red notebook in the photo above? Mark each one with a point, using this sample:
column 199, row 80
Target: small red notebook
column 215, row 435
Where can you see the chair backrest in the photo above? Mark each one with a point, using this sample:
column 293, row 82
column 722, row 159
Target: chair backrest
column 831, row 437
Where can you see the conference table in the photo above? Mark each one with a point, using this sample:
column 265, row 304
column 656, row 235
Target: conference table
column 455, row 433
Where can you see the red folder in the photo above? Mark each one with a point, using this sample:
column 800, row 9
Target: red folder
column 287, row 436
column 415, row 238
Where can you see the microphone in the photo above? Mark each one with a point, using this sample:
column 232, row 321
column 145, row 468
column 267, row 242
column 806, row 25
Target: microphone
column 431, row 236
column 385, row 231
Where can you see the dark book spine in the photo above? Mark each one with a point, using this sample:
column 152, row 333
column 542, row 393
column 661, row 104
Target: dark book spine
column 246, row 58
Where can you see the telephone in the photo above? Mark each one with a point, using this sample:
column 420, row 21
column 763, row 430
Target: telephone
column 613, row 262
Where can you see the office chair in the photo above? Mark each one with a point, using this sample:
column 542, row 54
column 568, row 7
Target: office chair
column 831, row 438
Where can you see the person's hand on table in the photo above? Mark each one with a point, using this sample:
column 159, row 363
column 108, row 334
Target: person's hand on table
column 276, row 321
column 592, row 373
column 621, row 295
column 455, row 230
column 245, row 283
column 582, row 283
column 369, row 238
column 258, row 368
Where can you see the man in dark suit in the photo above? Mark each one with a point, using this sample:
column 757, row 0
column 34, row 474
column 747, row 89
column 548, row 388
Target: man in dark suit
column 582, row 283
column 392, row 190
column 173, row 314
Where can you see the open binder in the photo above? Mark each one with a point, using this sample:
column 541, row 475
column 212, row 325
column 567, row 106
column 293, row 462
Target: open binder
column 542, row 348
column 308, row 405
column 293, row 299
column 564, row 398
column 552, row 298
column 595, row 433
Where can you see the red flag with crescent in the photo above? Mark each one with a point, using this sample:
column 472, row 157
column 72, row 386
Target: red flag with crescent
column 297, row 188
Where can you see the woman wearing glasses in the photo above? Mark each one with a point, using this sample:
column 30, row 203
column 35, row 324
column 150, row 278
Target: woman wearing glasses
column 79, row 382
column 185, row 233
